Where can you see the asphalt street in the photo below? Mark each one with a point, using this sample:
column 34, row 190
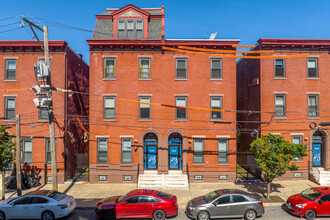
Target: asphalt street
column 271, row 213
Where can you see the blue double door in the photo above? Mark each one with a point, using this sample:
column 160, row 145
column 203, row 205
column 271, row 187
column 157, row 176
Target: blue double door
column 175, row 154
column 317, row 153
column 150, row 155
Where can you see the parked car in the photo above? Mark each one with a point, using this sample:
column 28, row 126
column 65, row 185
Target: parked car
column 40, row 204
column 310, row 203
column 225, row 203
column 139, row 203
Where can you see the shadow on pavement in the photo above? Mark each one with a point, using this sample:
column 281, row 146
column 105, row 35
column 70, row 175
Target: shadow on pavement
column 260, row 187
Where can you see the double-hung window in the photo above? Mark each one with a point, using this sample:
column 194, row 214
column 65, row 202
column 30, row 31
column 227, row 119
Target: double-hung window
column 48, row 151
column 130, row 29
column 198, row 151
column 126, row 150
column 109, row 111
column 279, row 67
column 312, row 68
column 216, row 103
column 102, row 150
column 43, row 114
column 181, row 113
column 222, row 151
column 216, row 69
column 145, row 69
column 280, row 108
column 144, row 111
column 109, row 68
column 27, row 151
column 10, row 69
column 297, row 139
column 10, row 108
column 181, row 68
column 313, row 105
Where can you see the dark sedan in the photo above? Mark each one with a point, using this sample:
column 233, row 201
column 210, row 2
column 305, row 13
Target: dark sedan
column 225, row 203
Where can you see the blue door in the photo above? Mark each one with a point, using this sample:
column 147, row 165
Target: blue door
column 317, row 144
column 175, row 153
column 150, row 155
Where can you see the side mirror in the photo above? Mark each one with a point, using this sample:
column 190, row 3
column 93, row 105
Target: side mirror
column 124, row 203
column 320, row 201
column 215, row 204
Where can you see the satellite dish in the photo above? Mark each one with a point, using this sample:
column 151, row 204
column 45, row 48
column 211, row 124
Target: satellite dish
column 213, row 35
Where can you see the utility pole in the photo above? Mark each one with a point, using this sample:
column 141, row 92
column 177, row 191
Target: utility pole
column 18, row 156
column 51, row 115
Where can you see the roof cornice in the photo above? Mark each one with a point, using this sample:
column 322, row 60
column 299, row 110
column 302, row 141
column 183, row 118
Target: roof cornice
column 32, row 43
column 293, row 42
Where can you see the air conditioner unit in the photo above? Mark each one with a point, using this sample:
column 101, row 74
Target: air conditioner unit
column 41, row 70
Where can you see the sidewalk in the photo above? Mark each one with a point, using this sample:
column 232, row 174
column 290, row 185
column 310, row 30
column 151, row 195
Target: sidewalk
column 87, row 195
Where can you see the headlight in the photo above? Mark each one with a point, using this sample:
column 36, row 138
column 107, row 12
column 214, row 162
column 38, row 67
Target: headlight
column 301, row 205
column 192, row 208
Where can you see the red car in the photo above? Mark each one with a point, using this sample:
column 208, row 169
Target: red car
column 310, row 203
column 139, row 203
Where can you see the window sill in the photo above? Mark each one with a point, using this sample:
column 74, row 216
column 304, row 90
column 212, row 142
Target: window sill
column 109, row 79
column 280, row 118
column 310, row 78
column 198, row 164
column 100, row 165
column 10, row 80
column 43, row 120
column 126, row 165
column 181, row 79
column 216, row 120
column 145, row 79
column 316, row 117
column 142, row 120
column 280, row 78
column 223, row 164
column 179, row 120
column 109, row 119
column 9, row 120
column 220, row 79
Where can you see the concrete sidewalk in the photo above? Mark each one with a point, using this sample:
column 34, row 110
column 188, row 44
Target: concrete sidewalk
column 87, row 195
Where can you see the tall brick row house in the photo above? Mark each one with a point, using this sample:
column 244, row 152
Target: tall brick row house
column 290, row 97
column 137, row 142
column 68, row 71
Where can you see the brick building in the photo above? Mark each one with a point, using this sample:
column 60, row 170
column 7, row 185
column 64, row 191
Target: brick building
column 137, row 142
column 68, row 71
column 291, row 95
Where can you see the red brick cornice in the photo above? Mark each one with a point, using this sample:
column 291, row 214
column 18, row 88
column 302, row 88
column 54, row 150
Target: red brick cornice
column 293, row 42
column 32, row 43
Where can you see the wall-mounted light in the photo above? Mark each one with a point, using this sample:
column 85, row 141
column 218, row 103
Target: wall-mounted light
column 135, row 145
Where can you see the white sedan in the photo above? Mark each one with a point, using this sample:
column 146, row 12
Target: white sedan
column 40, row 204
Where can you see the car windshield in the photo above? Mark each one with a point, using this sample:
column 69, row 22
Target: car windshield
column 311, row 194
column 122, row 198
column 210, row 196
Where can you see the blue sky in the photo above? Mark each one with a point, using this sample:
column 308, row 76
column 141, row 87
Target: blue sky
column 247, row 20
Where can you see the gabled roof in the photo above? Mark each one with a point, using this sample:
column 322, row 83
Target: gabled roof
column 144, row 11
column 130, row 7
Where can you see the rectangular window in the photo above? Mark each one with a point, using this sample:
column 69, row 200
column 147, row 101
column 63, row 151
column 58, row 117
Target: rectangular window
column 109, row 108
column 10, row 69
column 297, row 139
column 198, row 151
column 312, row 68
column 313, row 105
column 181, row 113
column 27, row 151
column 181, row 69
column 126, row 150
column 216, row 69
column 223, row 151
column 145, row 71
column 144, row 108
column 109, row 68
column 280, row 108
column 130, row 29
column 279, row 68
column 102, row 150
column 43, row 114
column 48, row 151
column 216, row 103
column 10, row 108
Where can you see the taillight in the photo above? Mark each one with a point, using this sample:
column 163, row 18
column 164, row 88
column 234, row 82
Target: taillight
column 260, row 203
column 62, row 206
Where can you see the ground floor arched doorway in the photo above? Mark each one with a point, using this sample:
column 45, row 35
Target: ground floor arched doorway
column 150, row 151
column 175, row 151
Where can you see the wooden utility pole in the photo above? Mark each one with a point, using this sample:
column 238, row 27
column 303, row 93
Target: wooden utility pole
column 18, row 156
column 51, row 115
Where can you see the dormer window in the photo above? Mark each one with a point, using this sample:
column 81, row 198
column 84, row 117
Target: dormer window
column 130, row 29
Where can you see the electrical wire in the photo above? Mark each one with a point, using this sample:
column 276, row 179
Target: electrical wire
column 9, row 30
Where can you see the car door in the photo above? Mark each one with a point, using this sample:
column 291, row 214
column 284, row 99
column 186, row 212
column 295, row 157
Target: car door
column 220, row 207
column 37, row 206
column 324, row 205
column 146, row 206
column 238, row 205
column 19, row 208
column 127, row 208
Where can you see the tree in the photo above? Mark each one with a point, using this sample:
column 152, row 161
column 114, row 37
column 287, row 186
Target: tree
column 6, row 154
column 275, row 156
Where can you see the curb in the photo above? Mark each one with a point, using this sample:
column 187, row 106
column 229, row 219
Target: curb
column 273, row 204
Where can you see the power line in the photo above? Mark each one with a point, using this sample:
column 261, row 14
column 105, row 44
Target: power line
column 4, row 19
column 9, row 24
column 10, row 30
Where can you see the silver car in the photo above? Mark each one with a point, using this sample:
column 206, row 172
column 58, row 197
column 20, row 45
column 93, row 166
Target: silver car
column 225, row 203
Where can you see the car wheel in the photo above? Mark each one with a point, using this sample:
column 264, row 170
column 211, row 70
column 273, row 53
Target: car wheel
column 310, row 214
column 47, row 215
column 2, row 216
column 109, row 215
column 203, row 215
column 250, row 214
column 159, row 215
